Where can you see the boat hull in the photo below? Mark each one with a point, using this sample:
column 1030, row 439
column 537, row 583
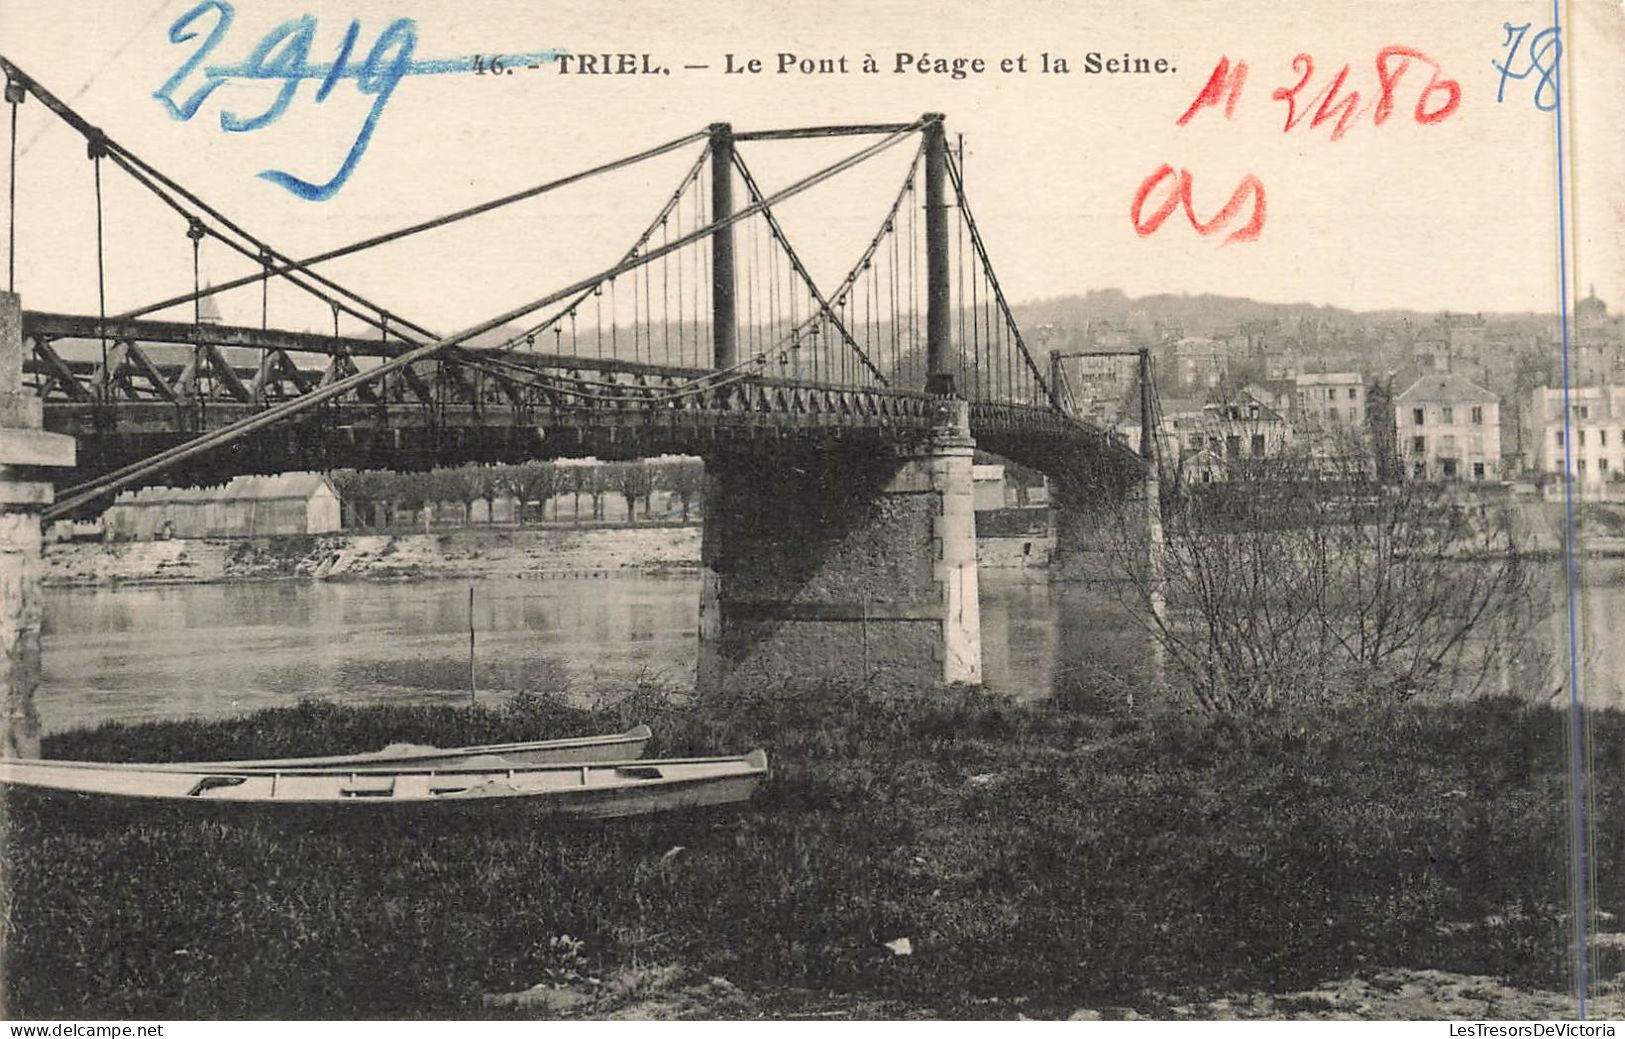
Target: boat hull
column 623, row 746
column 588, row 791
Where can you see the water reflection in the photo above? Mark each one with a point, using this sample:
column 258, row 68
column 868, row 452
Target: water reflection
column 214, row 650
column 219, row 650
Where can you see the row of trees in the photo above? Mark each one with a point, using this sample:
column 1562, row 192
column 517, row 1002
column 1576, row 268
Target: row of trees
column 376, row 497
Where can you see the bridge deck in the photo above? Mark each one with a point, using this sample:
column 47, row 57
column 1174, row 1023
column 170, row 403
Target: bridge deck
column 167, row 381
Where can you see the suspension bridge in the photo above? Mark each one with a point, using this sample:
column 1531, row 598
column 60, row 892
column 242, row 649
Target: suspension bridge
column 836, row 420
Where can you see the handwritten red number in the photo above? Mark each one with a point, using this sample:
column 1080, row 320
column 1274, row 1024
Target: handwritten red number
column 1345, row 108
column 1225, row 84
column 1392, row 63
column 1388, row 77
column 1306, row 65
column 1332, row 102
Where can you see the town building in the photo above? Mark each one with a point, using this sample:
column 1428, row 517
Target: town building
column 1330, row 416
column 1014, row 525
column 1448, row 429
column 1329, row 399
column 1099, row 385
column 1313, row 400
column 1596, row 344
column 1183, row 427
column 247, row 506
column 1199, row 439
column 1591, row 448
column 1242, row 427
column 1236, row 430
column 1199, row 362
column 1279, row 394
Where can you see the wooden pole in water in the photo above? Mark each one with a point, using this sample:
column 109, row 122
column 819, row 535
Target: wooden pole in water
column 473, row 691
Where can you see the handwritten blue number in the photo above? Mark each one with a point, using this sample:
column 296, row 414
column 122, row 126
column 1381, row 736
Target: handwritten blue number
column 1544, row 51
column 341, row 61
column 377, row 77
column 178, row 34
column 283, row 54
column 285, row 65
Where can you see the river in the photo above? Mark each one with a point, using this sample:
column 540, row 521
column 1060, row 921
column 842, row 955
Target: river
column 214, row 650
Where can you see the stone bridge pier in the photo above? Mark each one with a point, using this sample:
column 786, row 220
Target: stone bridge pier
column 27, row 454
column 850, row 564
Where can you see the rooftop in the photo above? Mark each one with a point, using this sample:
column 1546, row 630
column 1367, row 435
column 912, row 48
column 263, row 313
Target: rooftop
column 1329, row 378
column 1448, row 388
column 281, row 487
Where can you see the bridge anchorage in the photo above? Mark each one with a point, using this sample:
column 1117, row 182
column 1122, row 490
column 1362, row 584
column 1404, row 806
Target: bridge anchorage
column 837, row 425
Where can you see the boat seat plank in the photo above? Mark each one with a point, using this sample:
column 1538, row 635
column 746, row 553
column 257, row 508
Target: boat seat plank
column 369, row 785
column 640, row 772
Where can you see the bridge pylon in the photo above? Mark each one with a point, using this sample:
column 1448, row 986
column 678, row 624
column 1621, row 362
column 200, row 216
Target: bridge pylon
column 939, row 377
column 846, row 564
column 724, row 308
column 27, row 454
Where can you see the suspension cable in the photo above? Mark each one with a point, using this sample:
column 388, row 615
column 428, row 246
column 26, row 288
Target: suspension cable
column 95, row 151
column 164, row 196
column 150, row 178
column 874, row 244
column 801, row 268
column 289, row 266
column 195, row 232
column 14, row 100
column 998, row 292
column 642, row 240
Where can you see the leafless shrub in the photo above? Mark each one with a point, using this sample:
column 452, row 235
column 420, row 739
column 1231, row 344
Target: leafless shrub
column 1302, row 580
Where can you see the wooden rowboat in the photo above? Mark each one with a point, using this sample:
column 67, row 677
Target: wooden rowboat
column 623, row 746
column 588, row 790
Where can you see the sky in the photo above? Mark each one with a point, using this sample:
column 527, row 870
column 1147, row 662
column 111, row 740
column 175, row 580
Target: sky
column 1459, row 213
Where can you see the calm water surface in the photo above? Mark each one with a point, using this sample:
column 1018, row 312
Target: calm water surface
column 219, row 650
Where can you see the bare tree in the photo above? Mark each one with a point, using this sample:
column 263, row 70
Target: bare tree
column 464, row 484
column 595, row 481
column 494, row 483
column 356, row 490
column 684, row 479
column 534, row 481
column 416, row 491
column 631, row 480
column 1301, row 579
column 574, row 480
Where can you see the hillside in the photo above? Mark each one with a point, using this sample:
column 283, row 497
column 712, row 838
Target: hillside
column 1208, row 315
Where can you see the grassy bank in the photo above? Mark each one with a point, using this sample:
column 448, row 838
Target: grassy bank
column 1039, row 859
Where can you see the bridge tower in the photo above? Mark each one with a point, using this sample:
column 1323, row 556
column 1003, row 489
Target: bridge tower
column 27, row 452
column 845, row 563
column 724, row 308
